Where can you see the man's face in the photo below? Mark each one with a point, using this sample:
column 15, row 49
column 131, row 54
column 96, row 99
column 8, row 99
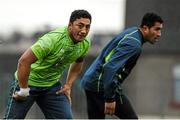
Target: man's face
column 79, row 29
column 153, row 33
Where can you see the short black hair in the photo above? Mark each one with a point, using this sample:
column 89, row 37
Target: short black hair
column 149, row 19
column 77, row 14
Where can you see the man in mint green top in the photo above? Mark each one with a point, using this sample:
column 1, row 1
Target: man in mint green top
column 60, row 51
column 41, row 66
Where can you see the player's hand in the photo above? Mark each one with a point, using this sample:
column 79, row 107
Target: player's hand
column 66, row 90
column 109, row 108
column 18, row 97
column 21, row 95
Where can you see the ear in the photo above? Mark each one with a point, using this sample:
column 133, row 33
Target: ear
column 145, row 29
column 70, row 26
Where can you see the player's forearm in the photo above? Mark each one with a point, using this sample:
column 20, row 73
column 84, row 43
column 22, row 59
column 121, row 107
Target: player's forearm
column 24, row 66
column 74, row 71
column 23, row 73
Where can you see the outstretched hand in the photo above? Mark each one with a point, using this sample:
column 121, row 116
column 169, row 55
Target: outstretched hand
column 67, row 91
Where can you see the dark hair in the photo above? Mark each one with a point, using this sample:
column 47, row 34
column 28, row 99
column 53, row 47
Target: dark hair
column 149, row 19
column 77, row 14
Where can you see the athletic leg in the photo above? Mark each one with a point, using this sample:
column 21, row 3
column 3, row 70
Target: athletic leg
column 54, row 106
column 124, row 109
column 95, row 105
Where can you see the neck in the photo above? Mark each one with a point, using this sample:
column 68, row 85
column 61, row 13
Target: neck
column 72, row 38
column 142, row 34
column 142, row 31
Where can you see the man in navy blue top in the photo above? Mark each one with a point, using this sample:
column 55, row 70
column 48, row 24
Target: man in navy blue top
column 102, row 81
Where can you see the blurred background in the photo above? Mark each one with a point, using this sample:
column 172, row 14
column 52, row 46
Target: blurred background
column 153, row 86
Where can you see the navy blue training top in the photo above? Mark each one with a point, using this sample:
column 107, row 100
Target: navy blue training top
column 114, row 63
